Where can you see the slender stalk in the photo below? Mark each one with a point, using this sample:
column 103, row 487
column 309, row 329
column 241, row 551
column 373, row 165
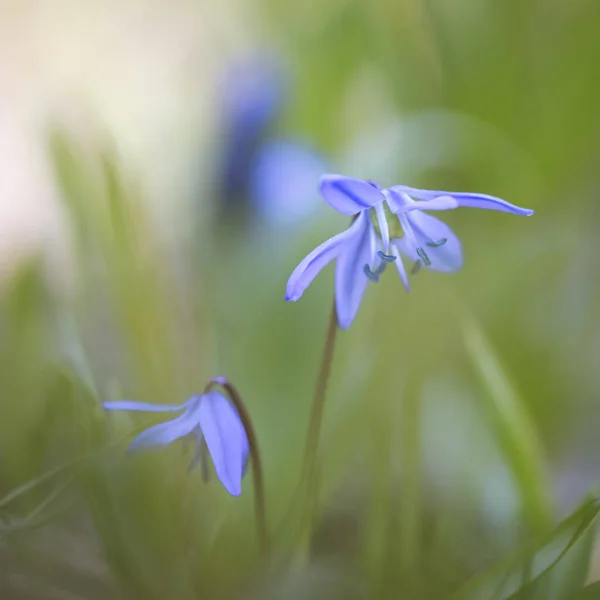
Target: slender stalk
column 309, row 468
column 257, row 471
column 318, row 405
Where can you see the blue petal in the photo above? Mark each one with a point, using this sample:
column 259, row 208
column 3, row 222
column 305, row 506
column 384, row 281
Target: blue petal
column 226, row 440
column 398, row 200
column 311, row 266
column 427, row 229
column 348, row 195
column 350, row 279
column 467, row 199
column 401, row 202
column 165, row 433
column 145, row 406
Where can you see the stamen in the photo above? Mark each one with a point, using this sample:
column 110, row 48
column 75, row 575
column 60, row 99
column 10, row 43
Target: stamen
column 388, row 258
column 440, row 242
column 416, row 268
column 204, row 463
column 374, row 277
column 197, row 435
column 383, row 225
column 423, row 256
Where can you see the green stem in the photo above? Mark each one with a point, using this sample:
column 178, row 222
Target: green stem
column 257, row 471
column 309, row 468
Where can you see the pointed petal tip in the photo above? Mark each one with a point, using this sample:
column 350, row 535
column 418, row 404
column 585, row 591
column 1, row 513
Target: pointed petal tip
column 344, row 323
column 234, row 491
column 328, row 179
column 131, row 448
column 121, row 405
column 348, row 195
column 134, row 447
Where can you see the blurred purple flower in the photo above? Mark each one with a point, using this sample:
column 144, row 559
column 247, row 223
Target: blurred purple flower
column 388, row 222
column 290, row 166
column 211, row 419
column 251, row 98
column 254, row 164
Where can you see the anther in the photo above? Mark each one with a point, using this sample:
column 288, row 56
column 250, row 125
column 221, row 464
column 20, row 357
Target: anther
column 374, row 277
column 386, row 257
column 416, row 268
column 440, row 242
column 423, row 256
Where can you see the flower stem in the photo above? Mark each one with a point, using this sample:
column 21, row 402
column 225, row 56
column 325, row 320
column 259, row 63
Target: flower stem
column 257, row 471
column 309, row 468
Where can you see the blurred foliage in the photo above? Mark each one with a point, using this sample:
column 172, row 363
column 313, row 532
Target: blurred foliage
column 461, row 424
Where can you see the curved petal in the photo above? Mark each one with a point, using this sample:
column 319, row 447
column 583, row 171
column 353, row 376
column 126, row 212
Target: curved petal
column 226, row 440
column 165, row 433
column 400, row 202
column 428, row 236
column 437, row 203
column 467, row 199
column 311, row 266
column 348, row 195
column 397, row 200
column 145, row 406
column 350, row 279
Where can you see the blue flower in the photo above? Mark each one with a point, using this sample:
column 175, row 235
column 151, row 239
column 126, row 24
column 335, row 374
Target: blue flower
column 210, row 418
column 388, row 223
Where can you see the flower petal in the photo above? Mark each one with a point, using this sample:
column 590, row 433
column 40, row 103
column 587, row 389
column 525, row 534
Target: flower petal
column 311, row 266
column 165, row 433
column 348, row 195
column 226, row 440
column 400, row 202
column 427, row 233
column 467, row 199
column 145, row 406
column 350, row 279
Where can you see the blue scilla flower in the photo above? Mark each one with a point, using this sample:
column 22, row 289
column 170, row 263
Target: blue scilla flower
column 388, row 223
column 211, row 419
